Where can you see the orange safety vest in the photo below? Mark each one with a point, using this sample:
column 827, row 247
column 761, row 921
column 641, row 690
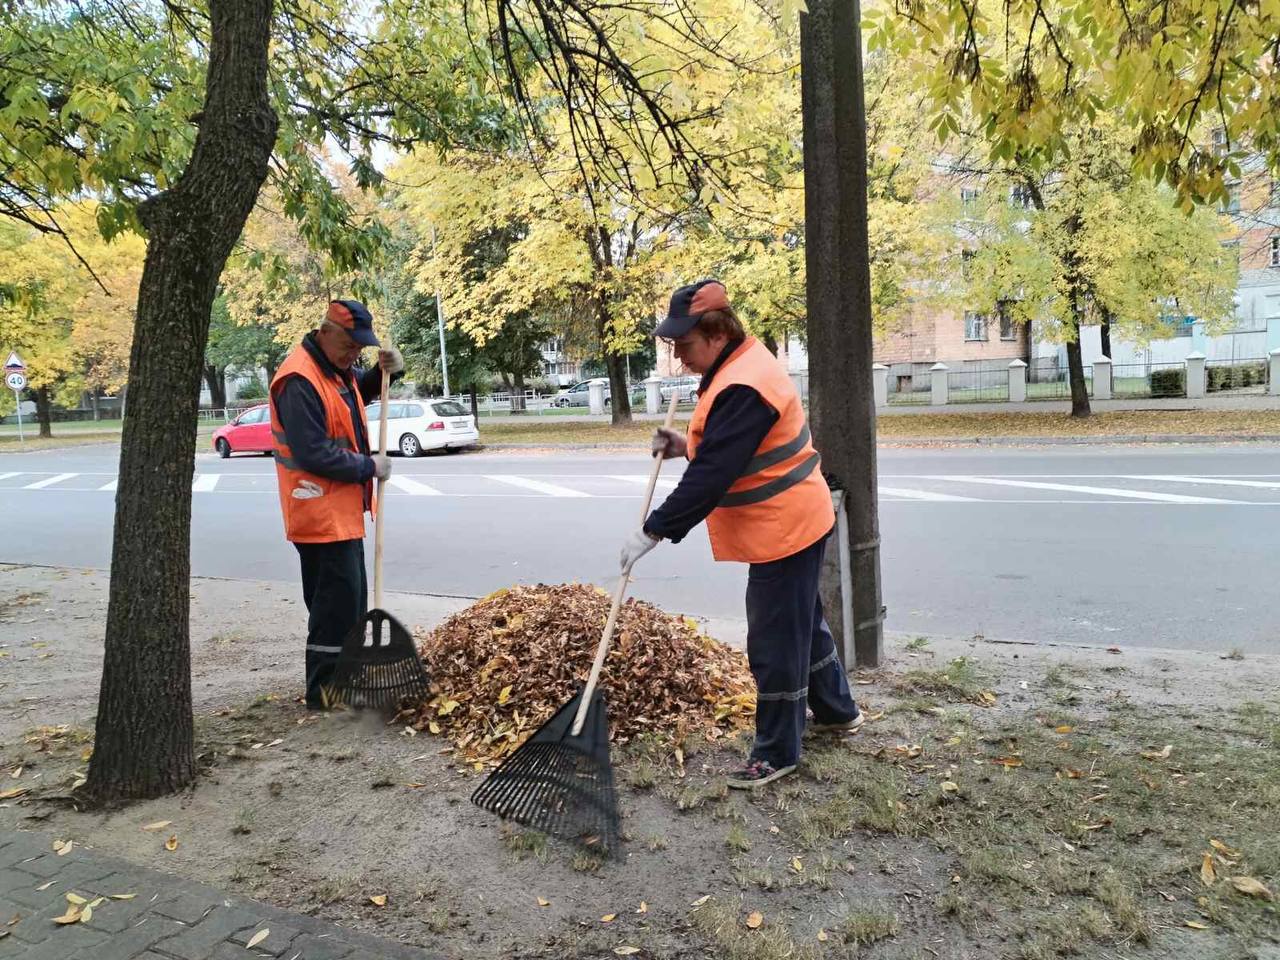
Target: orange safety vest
column 780, row 504
column 317, row 509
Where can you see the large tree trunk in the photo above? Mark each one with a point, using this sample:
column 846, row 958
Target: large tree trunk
column 44, row 411
column 1075, row 372
column 217, row 382
column 615, row 366
column 838, row 291
column 1106, row 334
column 517, row 392
column 475, row 403
column 144, row 730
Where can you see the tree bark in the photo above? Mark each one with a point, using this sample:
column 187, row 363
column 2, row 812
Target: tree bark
column 1075, row 371
column 1106, row 335
column 475, row 404
column 517, row 392
column 44, row 413
column 838, row 292
column 615, row 367
column 217, row 382
column 144, row 741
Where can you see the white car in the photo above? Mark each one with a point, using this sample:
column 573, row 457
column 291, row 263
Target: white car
column 415, row 426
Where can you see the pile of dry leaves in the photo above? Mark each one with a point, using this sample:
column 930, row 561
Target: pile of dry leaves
column 501, row 667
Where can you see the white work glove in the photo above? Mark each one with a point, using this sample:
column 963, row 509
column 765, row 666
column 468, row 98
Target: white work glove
column 381, row 465
column 669, row 443
column 390, row 360
column 635, row 547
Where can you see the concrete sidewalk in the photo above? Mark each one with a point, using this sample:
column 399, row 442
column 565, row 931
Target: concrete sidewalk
column 167, row 918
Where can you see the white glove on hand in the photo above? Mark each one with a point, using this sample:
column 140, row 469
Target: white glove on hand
column 381, row 465
column 669, row 443
column 390, row 360
column 635, row 547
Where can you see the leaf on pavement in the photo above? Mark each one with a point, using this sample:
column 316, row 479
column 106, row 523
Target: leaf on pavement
column 123, row 896
column 544, row 902
column 86, row 914
column 76, row 899
column 158, row 825
column 258, row 937
column 1223, row 849
column 378, row 899
column 71, row 916
column 1207, row 875
column 609, row 918
column 625, row 951
column 172, row 843
column 1250, row 886
column 46, row 886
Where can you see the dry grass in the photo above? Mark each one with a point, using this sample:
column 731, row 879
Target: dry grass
column 1118, row 423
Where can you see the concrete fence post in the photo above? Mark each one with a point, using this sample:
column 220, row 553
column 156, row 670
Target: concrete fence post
column 595, row 397
column 1195, row 375
column 653, row 394
column 1273, row 380
column 938, row 384
column 880, row 381
column 1102, row 378
column 1018, row 381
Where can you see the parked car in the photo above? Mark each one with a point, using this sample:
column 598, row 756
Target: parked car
column 248, row 433
column 686, row 388
column 415, row 426
column 579, row 395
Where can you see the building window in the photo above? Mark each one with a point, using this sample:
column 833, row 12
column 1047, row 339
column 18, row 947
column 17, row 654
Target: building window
column 1020, row 196
column 1007, row 329
column 968, row 195
column 1275, row 251
column 975, row 325
column 1231, row 202
column 966, row 263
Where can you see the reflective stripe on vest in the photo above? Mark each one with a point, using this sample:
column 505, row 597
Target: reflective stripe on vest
column 773, row 487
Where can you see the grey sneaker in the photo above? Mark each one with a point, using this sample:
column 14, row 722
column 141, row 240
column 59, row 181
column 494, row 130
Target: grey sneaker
column 849, row 726
column 756, row 774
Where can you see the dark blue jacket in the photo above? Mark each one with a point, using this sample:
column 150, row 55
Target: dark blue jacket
column 737, row 423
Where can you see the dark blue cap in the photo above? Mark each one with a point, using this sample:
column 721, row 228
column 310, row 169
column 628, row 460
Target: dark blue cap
column 688, row 304
column 355, row 318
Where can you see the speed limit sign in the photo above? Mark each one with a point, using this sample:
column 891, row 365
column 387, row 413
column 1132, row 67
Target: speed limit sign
column 15, row 381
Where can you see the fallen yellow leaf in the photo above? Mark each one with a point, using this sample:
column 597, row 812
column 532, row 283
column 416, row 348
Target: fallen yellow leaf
column 1158, row 755
column 97, row 902
column 63, row 846
column 71, row 916
column 86, row 914
column 46, row 886
column 1196, row 925
column 1065, row 728
column 950, row 786
column 543, row 902
column 158, row 825
column 172, row 843
column 76, row 899
column 1207, row 875
column 504, row 696
column 754, row 920
column 1223, row 849
column 378, row 899
column 1252, row 887
column 123, row 896
column 433, row 727
column 257, row 938
column 625, row 951
column 701, row 900
column 822, row 936
column 643, row 908
column 609, row 918
column 447, row 708
column 796, row 865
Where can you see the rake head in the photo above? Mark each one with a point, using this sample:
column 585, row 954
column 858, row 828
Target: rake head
column 558, row 783
column 379, row 665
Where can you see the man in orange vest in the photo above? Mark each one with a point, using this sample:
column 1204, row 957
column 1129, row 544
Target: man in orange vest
column 325, row 473
column 754, row 476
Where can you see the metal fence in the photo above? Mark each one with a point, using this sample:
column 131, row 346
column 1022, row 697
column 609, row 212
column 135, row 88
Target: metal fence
column 1149, row 380
column 1055, row 384
column 1243, row 377
column 918, row 389
column 978, row 386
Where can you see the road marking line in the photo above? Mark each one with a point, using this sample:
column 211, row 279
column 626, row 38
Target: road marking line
column 411, row 486
column 638, row 478
column 550, row 489
column 926, row 495
column 6, row 476
column 109, row 486
column 1218, row 481
column 1100, row 491
column 205, row 482
column 49, row 481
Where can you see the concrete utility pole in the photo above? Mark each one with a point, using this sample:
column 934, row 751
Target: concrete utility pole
column 444, row 357
column 838, row 291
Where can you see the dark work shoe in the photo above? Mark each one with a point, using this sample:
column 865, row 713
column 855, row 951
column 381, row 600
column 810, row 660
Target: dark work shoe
column 756, row 774
column 849, row 726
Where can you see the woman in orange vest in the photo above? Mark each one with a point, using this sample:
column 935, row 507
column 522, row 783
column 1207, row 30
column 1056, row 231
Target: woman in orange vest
column 755, row 477
column 325, row 474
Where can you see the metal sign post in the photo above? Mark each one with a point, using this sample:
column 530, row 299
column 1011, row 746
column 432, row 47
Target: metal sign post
column 15, row 375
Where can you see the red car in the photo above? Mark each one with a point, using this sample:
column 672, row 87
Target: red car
column 248, row 433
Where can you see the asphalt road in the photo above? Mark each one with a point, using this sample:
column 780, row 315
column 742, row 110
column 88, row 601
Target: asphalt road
column 1160, row 546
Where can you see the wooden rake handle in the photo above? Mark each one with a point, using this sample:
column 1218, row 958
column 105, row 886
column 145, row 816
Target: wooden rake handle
column 621, row 590
column 381, row 501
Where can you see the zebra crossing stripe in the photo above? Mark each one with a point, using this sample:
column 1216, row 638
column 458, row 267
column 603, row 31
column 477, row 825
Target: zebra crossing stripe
column 1079, row 488
column 49, row 481
column 414, row 487
column 1219, row 481
column 205, row 482
column 550, row 489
